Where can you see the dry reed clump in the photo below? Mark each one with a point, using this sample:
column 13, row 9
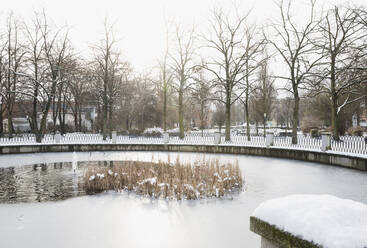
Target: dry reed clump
column 166, row 180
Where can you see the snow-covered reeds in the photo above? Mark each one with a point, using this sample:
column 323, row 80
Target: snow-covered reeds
column 166, row 180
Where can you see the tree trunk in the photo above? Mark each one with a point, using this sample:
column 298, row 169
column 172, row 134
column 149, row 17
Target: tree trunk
column 110, row 119
column 43, row 123
column 9, row 100
column 1, row 120
column 228, row 119
column 34, row 122
column 202, row 118
column 180, row 115
column 334, row 118
column 264, row 126
column 334, row 100
column 164, row 109
column 63, row 114
column 104, row 120
column 63, row 128
column 80, row 118
column 9, row 108
column 54, row 114
column 76, row 119
column 247, row 117
column 295, row 120
column 99, row 118
column 10, row 123
column 60, row 107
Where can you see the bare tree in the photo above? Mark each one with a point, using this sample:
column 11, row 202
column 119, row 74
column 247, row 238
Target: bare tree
column 294, row 44
column 78, row 85
column 164, row 85
column 56, row 50
column 105, row 56
column 49, row 48
column 15, row 54
column 201, row 95
column 283, row 112
column 219, row 115
column 227, row 38
column 341, row 43
column 254, row 46
column 183, row 67
column 264, row 94
column 119, row 72
column 3, row 77
column 126, row 102
column 36, row 75
column 2, row 82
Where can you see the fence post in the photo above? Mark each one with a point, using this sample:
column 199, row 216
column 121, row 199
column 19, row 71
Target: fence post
column 216, row 138
column 57, row 137
column 114, row 135
column 165, row 138
column 269, row 141
column 325, row 141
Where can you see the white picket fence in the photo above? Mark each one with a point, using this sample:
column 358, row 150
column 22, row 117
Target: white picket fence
column 347, row 144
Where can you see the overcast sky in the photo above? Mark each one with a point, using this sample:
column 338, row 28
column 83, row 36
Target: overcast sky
column 140, row 24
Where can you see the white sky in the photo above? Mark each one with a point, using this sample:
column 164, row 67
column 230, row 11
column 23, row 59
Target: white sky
column 139, row 24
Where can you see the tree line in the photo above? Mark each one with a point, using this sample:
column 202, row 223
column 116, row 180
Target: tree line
column 225, row 72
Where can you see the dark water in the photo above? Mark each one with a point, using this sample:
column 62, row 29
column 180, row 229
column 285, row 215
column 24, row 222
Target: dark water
column 42, row 182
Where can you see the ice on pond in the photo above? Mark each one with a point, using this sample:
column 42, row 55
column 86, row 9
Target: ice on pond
column 127, row 220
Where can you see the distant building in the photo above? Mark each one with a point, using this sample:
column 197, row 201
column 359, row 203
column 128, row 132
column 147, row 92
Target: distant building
column 69, row 119
column 20, row 125
column 362, row 117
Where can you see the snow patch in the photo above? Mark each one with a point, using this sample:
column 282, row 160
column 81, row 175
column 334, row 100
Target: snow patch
column 152, row 180
column 324, row 219
column 100, row 176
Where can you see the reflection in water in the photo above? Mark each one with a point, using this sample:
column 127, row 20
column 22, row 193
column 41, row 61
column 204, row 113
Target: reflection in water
column 41, row 182
column 44, row 181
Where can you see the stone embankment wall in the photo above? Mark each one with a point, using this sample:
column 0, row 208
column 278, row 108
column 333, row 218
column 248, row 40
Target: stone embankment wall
column 348, row 161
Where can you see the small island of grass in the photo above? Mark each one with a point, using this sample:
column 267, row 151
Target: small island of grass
column 166, row 180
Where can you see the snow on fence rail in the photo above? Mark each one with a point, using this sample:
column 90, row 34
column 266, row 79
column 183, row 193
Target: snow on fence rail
column 347, row 144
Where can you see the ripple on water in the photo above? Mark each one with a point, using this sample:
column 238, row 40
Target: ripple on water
column 40, row 182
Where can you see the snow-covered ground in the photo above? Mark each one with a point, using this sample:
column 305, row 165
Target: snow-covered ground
column 324, row 219
column 126, row 220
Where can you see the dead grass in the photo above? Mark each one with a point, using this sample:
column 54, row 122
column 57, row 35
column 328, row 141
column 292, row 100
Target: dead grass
column 166, row 180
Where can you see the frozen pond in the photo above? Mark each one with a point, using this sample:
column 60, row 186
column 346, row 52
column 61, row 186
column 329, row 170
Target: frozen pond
column 126, row 220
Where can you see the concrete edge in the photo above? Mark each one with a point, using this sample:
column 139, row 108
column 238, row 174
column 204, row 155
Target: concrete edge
column 278, row 237
column 347, row 161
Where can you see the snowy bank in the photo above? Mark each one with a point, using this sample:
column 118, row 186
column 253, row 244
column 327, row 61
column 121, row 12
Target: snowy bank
column 326, row 220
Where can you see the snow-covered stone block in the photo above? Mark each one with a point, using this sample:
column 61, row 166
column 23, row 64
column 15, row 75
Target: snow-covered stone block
column 311, row 221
